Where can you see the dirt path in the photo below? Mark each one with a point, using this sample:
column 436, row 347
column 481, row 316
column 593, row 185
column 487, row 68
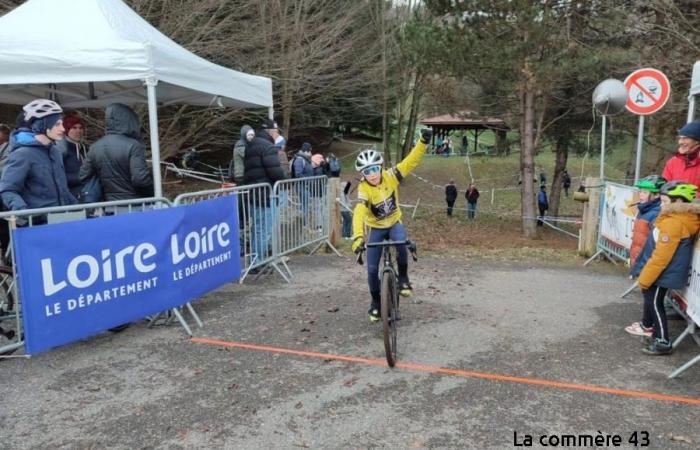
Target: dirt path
column 152, row 388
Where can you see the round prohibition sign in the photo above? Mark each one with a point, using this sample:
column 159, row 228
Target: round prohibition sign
column 648, row 91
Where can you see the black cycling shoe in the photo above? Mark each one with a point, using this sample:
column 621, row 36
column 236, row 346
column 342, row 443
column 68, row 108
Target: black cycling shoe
column 658, row 347
column 374, row 315
column 405, row 289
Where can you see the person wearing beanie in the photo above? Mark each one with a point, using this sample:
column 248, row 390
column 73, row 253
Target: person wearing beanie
column 685, row 164
column 34, row 176
column 74, row 151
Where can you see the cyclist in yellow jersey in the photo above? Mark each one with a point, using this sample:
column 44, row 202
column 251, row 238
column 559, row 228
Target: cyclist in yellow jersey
column 378, row 208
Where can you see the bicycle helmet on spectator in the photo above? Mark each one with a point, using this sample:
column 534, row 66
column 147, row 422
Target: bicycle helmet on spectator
column 39, row 108
column 679, row 189
column 367, row 158
column 652, row 183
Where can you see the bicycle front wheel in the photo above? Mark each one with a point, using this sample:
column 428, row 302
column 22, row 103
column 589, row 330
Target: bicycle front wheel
column 389, row 314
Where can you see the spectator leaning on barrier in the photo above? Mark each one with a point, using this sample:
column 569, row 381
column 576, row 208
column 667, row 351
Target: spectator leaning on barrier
column 685, row 164
column 119, row 159
column 450, row 196
column 262, row 166
column 667, row 255
column 301, row 163
column 73, row 150
column 648, row 208
column 238, row 161
column 33, row 176
column 281, row 144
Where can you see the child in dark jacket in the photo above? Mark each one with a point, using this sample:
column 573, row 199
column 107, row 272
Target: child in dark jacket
column 648, row 208
column 667, row 255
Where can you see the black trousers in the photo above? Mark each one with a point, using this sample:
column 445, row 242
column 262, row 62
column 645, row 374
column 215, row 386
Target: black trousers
column 542, row 211
column 450, row 205
column 654, row 299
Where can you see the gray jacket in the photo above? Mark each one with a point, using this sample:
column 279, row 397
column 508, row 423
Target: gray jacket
column 239, row 156
column 119, row 159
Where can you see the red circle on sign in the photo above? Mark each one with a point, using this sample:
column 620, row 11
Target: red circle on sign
column 648, row 91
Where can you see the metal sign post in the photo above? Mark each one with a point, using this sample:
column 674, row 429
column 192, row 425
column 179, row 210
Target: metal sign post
column 648, row 91
column 602, row 149
column 609, row 98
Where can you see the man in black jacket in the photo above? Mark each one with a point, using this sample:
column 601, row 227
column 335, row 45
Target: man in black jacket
column 118, row 159
column 450, row 196
column 262, row 166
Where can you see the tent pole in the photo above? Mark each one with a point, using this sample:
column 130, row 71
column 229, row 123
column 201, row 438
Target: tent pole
column 271, row 113
column 151, row 84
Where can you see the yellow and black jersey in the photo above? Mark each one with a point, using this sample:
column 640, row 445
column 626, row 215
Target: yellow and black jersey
column 378, row 206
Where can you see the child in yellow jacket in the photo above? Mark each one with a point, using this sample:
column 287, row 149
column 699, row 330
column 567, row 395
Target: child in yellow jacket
column 667, row 255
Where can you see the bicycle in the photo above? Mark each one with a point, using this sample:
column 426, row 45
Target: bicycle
column 389, row 279
column 8, row 310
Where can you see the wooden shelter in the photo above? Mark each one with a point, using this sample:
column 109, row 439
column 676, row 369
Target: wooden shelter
column 445, row 124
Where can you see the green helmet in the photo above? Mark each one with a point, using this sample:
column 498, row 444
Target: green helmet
column 679, row 189
column 652, row 183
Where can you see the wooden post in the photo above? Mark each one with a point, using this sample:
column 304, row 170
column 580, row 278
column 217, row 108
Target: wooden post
column 336, row 232
column 591, row 217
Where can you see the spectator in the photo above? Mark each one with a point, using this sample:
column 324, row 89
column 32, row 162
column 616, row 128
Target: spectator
column 74, row 151
column 685, row 165
column 33, row 176
column 320, row 168
column 238, row 161
column 566, row 182
column 542, row 204
column 667, row 255
column 648, row 208
column 301, row 167
column 262, row 166
column 465, row 143
column 543, row 177
column 119, row 158
column 472, row 196
column 450, row 196
column 281, row 144
column 333, row 166
column 301, row 163
column 346, row 209
column 4, row 143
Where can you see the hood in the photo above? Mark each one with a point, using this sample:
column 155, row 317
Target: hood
column 305, row 155
column 244, row 131
column 120, row 119
column 680, row 208
column 24, row 137
column 648, row 206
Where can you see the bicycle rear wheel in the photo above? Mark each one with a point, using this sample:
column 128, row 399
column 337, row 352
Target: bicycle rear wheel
column 389, row 314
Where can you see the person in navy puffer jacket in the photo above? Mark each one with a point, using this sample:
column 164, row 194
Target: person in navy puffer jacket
column 34, row 176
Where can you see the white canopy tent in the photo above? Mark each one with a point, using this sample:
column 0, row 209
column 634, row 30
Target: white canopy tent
column 694, row 90
column 89, row 53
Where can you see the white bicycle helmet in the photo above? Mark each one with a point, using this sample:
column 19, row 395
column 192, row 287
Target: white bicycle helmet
column 39, row 108
column 366, row 158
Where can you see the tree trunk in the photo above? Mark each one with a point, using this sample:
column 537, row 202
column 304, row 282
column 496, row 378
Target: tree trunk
column 562, row 155
column 527, row 167
column 413, row 115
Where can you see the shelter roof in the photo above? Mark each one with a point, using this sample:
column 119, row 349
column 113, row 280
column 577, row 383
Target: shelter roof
column 466, row 120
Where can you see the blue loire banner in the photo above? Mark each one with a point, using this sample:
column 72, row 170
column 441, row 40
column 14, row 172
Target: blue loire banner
column 79, row 278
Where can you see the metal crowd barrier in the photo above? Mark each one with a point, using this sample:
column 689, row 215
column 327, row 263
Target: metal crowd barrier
column 10, row 297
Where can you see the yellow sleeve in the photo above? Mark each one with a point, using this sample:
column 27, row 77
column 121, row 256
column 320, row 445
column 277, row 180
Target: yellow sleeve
column 666, row 244
column 360, row 212
column 412, row 160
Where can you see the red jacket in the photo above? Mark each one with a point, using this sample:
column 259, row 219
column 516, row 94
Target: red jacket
column 678, row 168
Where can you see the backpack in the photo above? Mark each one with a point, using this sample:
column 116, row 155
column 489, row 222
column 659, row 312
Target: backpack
column 292, row 173
column 334, row 165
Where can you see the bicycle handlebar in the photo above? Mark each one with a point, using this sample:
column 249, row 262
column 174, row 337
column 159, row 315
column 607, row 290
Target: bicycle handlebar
column 410, row 244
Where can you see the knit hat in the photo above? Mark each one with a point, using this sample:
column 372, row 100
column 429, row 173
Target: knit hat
column 39, row 126
column 268, row 124
column 317, row 159
column 691, row 130
column 306, row 147
column 71, row 121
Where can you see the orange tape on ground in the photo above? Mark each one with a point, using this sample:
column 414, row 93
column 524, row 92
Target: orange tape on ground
column 454, row 372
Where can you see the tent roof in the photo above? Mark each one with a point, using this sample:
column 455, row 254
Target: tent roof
column 94, row 52
column 466, row 120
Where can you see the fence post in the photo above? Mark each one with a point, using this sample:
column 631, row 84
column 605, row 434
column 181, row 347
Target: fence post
column 591, row 217
column 336, row 231
column 493, row 193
